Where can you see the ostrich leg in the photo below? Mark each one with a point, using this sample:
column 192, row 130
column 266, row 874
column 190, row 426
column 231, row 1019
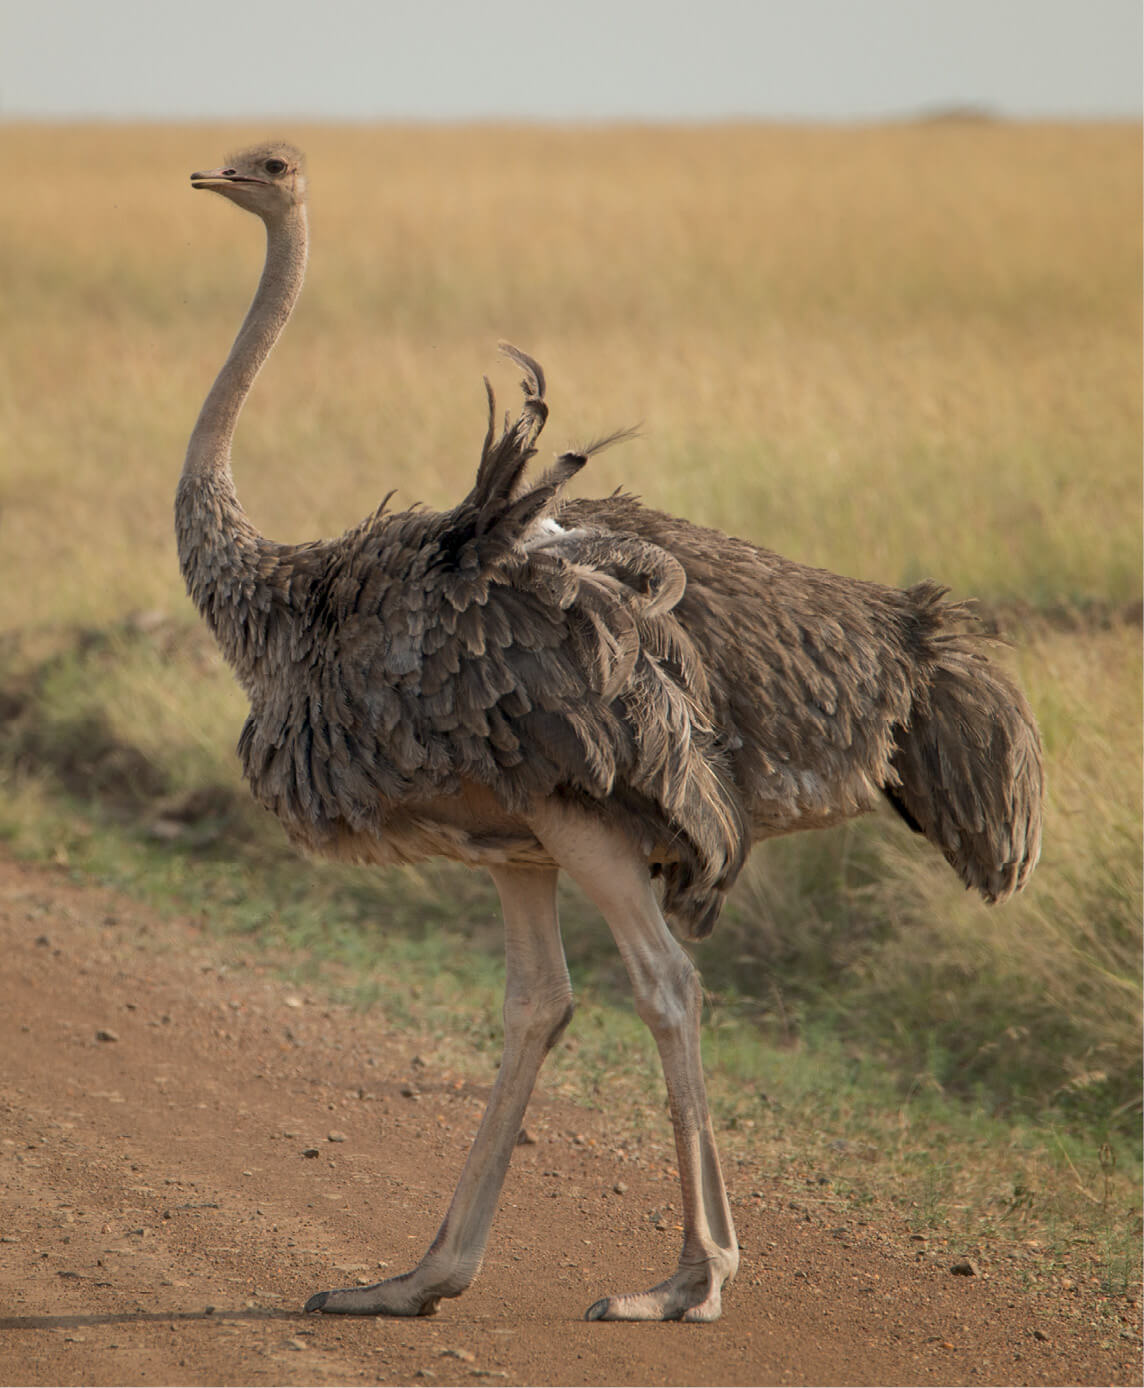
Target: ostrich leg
column 668, row 997
column 537, row 1007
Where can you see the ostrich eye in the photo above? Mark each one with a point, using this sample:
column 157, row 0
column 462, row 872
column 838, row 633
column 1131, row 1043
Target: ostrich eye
column 275, row 166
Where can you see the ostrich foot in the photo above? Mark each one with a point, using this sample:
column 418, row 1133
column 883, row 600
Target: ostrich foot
column 396, row 1296
column 690, row 1295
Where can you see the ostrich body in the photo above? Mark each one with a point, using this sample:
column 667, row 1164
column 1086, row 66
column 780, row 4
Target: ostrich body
column 530, row 684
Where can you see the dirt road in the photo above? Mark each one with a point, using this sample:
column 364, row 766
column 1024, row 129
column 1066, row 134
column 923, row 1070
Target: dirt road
column 188, row 1148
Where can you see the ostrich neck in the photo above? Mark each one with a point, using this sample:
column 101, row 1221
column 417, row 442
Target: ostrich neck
column 235, row 577
column 208, row 453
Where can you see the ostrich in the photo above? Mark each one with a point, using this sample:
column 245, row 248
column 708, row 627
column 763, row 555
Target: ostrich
column 532, row 684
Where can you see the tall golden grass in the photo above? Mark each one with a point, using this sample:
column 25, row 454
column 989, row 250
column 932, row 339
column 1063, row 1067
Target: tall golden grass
column 896, row 352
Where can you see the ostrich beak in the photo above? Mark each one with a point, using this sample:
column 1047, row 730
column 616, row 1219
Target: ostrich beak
column 213, row 178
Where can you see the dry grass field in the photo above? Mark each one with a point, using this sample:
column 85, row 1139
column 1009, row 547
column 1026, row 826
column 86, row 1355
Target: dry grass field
column 893, row 352
column 896, row 352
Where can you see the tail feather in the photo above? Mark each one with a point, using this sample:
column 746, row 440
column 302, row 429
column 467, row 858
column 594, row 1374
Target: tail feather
column 969, row 772
column 504, row 459
column 505, row 502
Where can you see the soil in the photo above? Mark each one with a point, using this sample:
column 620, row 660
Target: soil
column 190, row 1146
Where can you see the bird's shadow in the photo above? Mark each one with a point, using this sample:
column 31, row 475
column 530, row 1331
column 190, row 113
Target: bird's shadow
column 78, row 1322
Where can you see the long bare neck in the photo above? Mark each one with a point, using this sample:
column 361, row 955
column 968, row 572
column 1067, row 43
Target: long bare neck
column 233, row 575
column 208, row 453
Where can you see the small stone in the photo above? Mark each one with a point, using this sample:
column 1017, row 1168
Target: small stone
column 164, row 828
column 310, row 1152
column 335, row 1135
column 208, row 1310
column 525, row 1139
column 620, row 1187
column 1040, row 1335
column 106, row 1034
column 966, row 1268
column 409, row 1091
column 295, row 1343
column 465, row 1355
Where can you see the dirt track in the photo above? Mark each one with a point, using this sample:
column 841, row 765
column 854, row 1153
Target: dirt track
column 161, row 1171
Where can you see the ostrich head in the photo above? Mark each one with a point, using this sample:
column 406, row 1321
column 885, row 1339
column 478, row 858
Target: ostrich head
column 266, row 180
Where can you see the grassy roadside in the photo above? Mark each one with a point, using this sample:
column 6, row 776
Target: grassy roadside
column 861, row 931
column 970, row 1076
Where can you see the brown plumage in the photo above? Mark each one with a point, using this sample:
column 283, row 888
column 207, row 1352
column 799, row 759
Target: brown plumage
column 443, row 683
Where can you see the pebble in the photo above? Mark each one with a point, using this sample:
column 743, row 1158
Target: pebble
column 310, row 1151
column 966, row 1268
column 335, row 1135
column 106, row 1034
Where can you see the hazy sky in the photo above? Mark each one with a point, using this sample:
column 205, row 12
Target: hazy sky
column 566, row 59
